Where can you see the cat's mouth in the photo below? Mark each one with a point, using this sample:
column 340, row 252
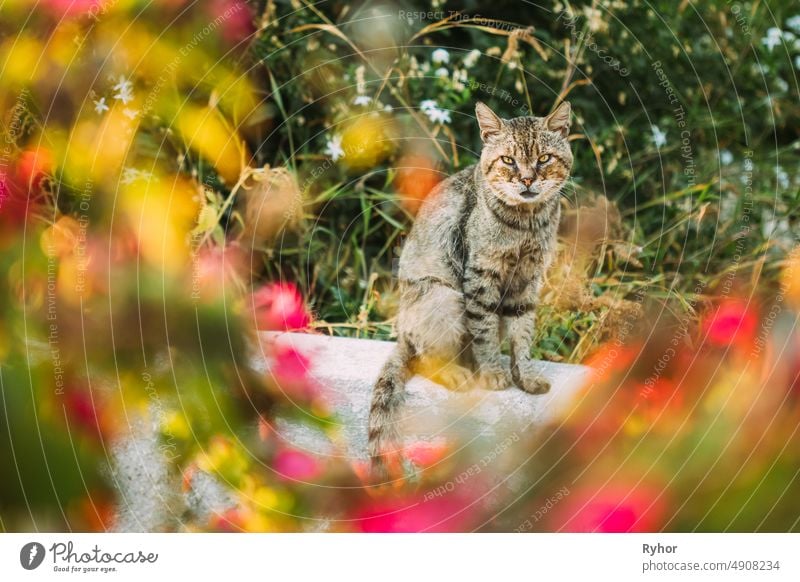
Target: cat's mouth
column 529, row 194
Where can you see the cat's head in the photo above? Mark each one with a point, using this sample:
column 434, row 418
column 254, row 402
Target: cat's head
column 526, row 159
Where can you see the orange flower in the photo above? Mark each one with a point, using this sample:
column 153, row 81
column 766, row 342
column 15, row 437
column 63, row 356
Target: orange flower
column 416, row 177
column 611, row 358
column 424, row 454
column 33, row 166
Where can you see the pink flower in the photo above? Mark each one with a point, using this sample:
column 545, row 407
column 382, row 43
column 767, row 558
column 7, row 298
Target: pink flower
column 449, row 513
column 61, row 8
column 237, row 19
column 614, row 509
column 217, row 270
column 290, row 370
column 279, row 307
column 294, row 465
column 731, row 323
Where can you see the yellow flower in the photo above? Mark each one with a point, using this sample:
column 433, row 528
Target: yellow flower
column 205, row 131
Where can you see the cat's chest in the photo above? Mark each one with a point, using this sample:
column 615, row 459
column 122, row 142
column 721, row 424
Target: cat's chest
column 517, row 260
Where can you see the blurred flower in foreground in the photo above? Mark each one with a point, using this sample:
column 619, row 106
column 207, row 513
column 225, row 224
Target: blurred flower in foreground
column 732, row 322
column 426, row 454
column 237, row 19
column 415, row 514
column 206, row 131
column 218, row 271
column 290, row 370
column 33, row 166
column 61, row 8
column 615, row 508
column 295, row 465
column 279, row 307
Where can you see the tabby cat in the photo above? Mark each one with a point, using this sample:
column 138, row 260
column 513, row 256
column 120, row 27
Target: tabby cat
column 472, row 268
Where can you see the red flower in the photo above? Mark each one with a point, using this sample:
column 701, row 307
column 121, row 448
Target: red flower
column 732, row 322
column 33, row 166
column 83, row 411
column 279, row 307
column 659, row 395
column 612, row 358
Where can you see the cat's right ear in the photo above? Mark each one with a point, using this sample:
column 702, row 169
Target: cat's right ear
column 489, row 123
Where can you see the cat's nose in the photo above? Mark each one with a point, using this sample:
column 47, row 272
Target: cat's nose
column 526, row 181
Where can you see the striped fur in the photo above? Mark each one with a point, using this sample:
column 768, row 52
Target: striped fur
column 472, row 269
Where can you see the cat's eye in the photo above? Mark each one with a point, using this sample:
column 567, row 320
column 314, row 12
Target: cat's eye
column 507, row 160
column 543, row 159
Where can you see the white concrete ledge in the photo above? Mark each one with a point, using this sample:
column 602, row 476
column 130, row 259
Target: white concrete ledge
column 349, row 367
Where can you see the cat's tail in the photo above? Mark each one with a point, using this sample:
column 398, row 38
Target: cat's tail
column 387, row 397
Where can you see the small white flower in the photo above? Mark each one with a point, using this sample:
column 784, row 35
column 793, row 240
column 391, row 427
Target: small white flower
column 726, row 157
column 659, row 137
column 124, row 90
column 123, row 85
column 439, row 116
column 442, row 73
column 782, row 85
column 472, row 58
column 130, row 113
column 362, row 100
column 436, row 114
column 783, row 178
column 797, row 62
column 428, row 104
column 794, row 23
column 773, row 38
column 100, row 106
column 440, row 56
column 333, row 149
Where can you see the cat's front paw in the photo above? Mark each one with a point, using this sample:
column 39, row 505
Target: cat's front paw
column 529, row 379
column 495, row 378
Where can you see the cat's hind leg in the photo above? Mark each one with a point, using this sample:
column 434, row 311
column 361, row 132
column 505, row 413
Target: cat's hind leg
column 434, row 324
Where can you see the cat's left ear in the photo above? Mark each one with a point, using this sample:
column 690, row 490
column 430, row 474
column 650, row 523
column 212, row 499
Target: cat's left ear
column 559, row 120
column 489, row 123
